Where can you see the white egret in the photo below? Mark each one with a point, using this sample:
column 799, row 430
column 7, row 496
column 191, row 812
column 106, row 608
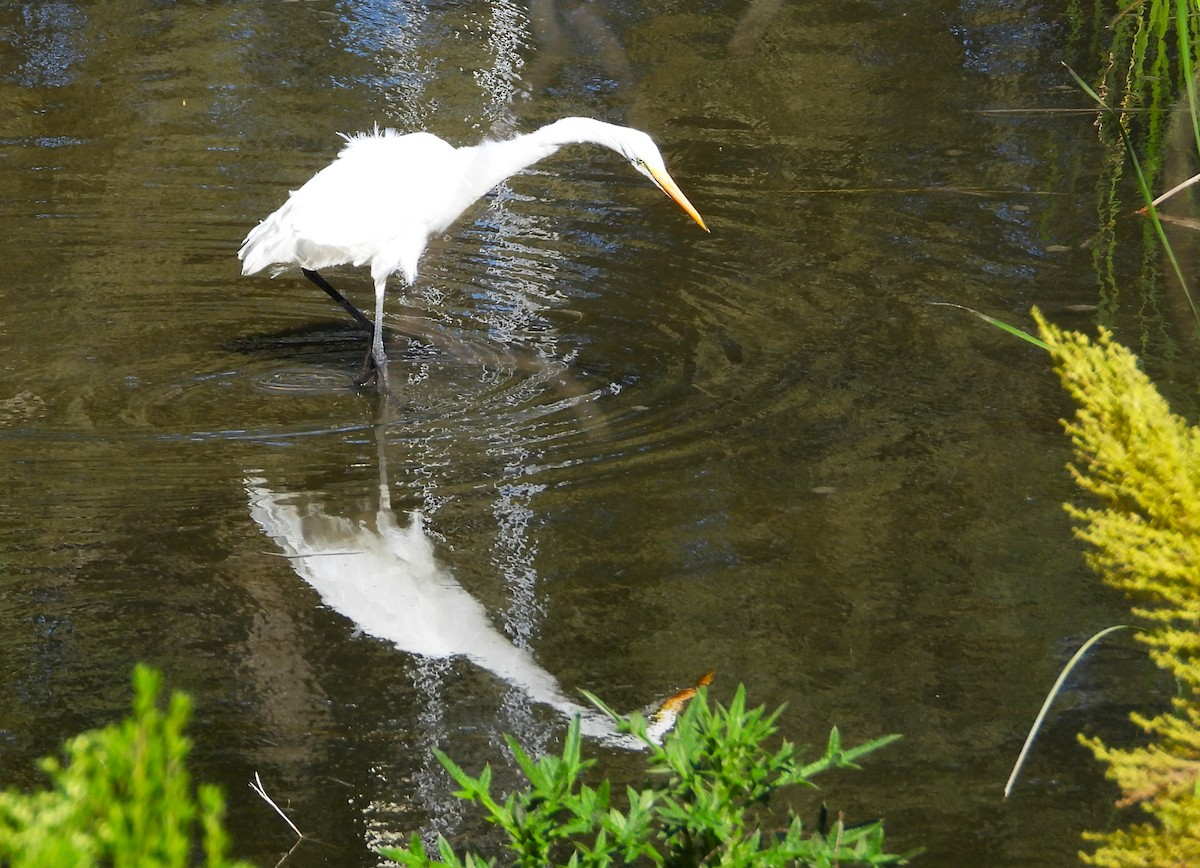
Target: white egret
column 387, row 194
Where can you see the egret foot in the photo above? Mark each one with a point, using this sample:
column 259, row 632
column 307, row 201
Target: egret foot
column 370, row 371
column 379, row 369
column 374, row 367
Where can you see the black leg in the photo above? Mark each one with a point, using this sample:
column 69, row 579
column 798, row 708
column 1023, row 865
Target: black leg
column 368, row 370
column 340, row 299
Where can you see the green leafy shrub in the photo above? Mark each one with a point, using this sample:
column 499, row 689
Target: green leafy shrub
column 121, row 796
column 1142, row 462
column 707, row 802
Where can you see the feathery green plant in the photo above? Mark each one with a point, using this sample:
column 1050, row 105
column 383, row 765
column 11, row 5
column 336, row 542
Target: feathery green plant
column 1142, row 462
column 121, row 796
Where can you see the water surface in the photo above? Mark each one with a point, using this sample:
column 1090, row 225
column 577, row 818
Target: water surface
column 640, row 452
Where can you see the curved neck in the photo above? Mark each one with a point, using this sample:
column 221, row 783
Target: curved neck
column 489, row 163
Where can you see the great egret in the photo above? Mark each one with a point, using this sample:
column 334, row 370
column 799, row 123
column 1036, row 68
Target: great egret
column 387, row 194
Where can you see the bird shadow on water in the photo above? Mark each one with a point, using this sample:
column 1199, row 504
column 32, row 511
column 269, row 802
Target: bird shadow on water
column 448, row 371
column 332, row 353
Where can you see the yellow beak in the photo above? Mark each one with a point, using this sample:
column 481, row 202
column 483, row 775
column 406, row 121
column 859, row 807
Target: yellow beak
column 672, row 189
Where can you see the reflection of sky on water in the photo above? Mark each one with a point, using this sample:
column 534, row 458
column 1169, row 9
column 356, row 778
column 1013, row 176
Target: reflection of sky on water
column 395, row 33
column 45, row 45
column 373, row 26
column 1003, row 38
column 42, row 142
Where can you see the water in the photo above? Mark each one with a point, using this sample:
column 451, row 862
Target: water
column 640, row 451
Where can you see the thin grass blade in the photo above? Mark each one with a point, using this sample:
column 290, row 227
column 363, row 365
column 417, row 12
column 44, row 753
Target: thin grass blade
column 1000, row 324
column 1054, row 691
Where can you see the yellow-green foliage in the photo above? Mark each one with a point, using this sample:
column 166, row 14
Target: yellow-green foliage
column 122, row 798
column 1143, row 463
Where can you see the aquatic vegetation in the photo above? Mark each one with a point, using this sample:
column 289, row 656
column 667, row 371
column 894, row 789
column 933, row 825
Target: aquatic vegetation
column 708, row 802
column 1146, row 55
column 1142, row 462
column 121, row 796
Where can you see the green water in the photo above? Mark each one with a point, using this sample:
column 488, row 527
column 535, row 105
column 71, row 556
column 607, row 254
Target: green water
column 641, row 451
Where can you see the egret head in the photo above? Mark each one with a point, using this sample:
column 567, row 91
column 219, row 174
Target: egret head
column 640, row 150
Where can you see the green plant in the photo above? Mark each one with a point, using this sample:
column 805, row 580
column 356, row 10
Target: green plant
column 707, row 802
column 1142, row 462
column 121, row 796
column 1146, row 54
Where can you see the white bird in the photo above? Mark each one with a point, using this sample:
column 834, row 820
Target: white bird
column 387, row 194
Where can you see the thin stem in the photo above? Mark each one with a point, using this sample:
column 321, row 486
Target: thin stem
column 1054, row 691
column 257, row 786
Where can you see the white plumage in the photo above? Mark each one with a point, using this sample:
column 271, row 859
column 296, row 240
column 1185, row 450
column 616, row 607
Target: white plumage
column 387, row 194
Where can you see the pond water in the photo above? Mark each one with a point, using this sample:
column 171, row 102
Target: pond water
column 639, row 451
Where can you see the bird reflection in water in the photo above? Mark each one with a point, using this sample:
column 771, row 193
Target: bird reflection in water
column 662, row 717
column 384, row 575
